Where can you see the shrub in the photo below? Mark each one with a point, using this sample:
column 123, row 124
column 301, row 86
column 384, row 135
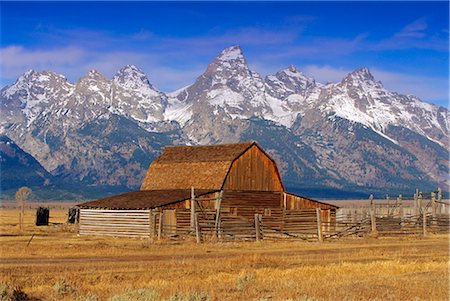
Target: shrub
column 144, row 294
column 62, row 287
column 195, row 296
column 87, row 297
column 5, row 291
column 15, row 294
column 243, row 281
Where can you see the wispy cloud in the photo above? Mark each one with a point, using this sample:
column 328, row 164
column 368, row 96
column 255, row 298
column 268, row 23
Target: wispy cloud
column 74, row 62
column 172, row 61
column 326, row 73
column 415, row 29
column 414, row 36
column 17, row 59
column 428, row 88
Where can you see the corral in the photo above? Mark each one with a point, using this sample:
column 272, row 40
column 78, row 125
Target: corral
column 221, row 191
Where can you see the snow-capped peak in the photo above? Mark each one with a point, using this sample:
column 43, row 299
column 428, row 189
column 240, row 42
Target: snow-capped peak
column 360, row 75
column 94, row 74
column 292, row 71
column 129, row 70
column 131, row 77
column 233, row 53
column 29, row 73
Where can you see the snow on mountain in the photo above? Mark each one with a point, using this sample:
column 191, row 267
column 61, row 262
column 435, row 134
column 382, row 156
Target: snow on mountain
column 228, row 83
column 288, row 92
column 133, row 96
column 359, row 98
column 32, row 93
column 61, row 123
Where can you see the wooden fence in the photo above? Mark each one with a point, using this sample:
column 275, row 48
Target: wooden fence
column 306, row 224
column 421, row 215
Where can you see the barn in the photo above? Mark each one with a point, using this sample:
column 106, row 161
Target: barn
column 191, row 187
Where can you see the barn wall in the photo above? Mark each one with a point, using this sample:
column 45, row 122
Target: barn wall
column 130, row 223
column 256, row 199
column 255, row 171
column 294, row 202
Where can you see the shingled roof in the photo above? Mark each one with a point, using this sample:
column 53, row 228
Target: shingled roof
column 203, row 167
column 143, row 199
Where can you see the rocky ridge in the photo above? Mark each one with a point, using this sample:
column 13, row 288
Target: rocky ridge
column 354, row 133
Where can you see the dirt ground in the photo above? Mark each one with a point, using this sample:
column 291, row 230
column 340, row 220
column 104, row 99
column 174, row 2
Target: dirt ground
column 58, row 264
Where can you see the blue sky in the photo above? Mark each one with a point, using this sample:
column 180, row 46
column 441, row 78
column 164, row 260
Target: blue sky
column 405, row 44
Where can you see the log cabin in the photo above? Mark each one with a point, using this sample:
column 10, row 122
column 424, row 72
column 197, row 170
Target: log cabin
column 218, row 181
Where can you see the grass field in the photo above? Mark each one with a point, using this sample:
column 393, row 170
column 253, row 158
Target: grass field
column 59, row 265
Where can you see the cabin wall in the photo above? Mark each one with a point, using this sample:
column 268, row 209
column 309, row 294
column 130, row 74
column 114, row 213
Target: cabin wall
column 253, row 171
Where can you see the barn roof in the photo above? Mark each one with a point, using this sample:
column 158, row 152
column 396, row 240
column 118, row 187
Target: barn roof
column 203, row 153
column 204, row 167
column 143, row 199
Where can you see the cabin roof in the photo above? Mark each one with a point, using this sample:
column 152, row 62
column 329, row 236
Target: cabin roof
column 143, row 199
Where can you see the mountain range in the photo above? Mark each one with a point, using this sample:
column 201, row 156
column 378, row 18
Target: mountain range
column 353, row 137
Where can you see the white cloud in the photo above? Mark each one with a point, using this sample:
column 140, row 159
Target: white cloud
column 428, row 88
column 74, row 62
column 415, row 29
column 324, row 74
column 16, row 59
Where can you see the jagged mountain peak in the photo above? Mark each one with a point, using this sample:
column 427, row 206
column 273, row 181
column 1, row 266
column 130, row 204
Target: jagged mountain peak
column 93, row 75
column 293, row 72
column 359, row 76
column 229, row 63
column 40, row 76
column 36, row 84
column 129, row 70
column 233, row 53
column 293, row 84
column 93, row 80
column 130, row 76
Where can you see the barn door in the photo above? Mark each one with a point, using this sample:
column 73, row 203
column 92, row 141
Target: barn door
column 170, row 222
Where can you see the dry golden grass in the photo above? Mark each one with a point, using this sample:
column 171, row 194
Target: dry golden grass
column 410, row 268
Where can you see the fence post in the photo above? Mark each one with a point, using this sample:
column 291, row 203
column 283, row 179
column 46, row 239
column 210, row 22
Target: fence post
column 153, row 221
column 433, row 206
column 319, row 225
column 197, row 228
column 373, row 222
column 416, row 195
column 420, row 202
column 160, row 226
column 440, row 200
column 257, row 227
column 192, row 220
column 424, row 222
column 218, row 205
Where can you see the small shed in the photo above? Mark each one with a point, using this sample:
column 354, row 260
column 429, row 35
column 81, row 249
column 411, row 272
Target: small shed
column 231, row 179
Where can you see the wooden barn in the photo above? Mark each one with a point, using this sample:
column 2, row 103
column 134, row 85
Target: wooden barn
column 188, row 187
